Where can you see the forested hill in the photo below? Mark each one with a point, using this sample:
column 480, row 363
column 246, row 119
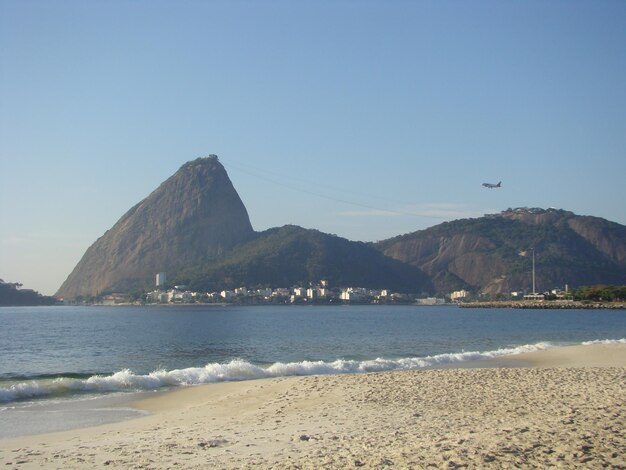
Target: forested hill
column 11, row 294
column 493, row 254
column 293, row 255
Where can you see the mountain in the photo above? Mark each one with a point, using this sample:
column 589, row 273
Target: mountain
column 292, row 255
column 196, row 229
column 483, row 254
column 194, row 216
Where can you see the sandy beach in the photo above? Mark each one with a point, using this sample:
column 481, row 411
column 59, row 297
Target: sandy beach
column 562, row 407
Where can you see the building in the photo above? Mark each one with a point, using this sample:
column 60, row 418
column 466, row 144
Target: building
column 534, row 297
column 430, row 301
column 227, row 294
column 353, row 294
column 458, row 295
column 161, row 279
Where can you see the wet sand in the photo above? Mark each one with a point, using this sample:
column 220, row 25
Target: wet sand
column 567, row 410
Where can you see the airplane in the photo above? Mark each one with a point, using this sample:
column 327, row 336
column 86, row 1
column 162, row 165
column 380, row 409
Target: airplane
column 491, row 185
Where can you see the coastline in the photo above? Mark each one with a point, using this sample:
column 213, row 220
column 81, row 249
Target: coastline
column 565, row 410
column 548, row 305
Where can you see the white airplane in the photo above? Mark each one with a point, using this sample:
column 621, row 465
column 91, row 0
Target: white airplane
column 491, row 185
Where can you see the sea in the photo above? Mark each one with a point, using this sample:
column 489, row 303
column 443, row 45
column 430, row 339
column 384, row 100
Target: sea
column 67, row 367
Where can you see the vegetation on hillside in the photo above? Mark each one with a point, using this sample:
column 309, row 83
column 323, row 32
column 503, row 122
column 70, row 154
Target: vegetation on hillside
column 11, row 294
column 601, row 292
column 291, row 255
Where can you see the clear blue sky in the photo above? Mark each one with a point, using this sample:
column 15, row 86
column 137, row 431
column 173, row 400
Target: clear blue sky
column 366, row 119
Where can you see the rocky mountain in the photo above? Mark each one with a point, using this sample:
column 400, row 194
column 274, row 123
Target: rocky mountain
column 194, row 216
column 483, row 254
column 196, row 229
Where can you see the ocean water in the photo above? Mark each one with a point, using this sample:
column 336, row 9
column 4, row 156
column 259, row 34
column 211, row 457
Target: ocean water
column 67, row 366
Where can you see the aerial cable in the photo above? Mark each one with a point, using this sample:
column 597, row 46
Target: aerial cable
column 249, row 168
column 325, row 196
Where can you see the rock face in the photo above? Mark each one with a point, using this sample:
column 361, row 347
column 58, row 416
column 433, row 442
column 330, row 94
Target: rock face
column 192, row 217
column 483, row 254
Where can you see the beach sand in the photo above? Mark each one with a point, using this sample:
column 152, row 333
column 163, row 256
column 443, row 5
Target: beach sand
column 567, row 410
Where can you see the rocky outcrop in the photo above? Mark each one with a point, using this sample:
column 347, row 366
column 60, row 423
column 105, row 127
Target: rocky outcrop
column 607, row 237
column 194, row 216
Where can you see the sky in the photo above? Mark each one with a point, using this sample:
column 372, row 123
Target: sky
column 365, row 119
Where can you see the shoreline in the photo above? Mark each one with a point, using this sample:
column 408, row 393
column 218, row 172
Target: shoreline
column 566, row 409
column 547, row 304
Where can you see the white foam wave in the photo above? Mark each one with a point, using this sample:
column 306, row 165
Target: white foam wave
column 238, row 369
column 605, row 341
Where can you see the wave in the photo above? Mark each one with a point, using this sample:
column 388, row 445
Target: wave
column 239, row 369
column 605, row 341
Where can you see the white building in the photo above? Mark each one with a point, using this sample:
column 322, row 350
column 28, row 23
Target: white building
column 281, row 292
column 353, row 295
column 458, row 295
column 430, row 301
column 534, row 297
column 227, row 294
column 161, row 279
